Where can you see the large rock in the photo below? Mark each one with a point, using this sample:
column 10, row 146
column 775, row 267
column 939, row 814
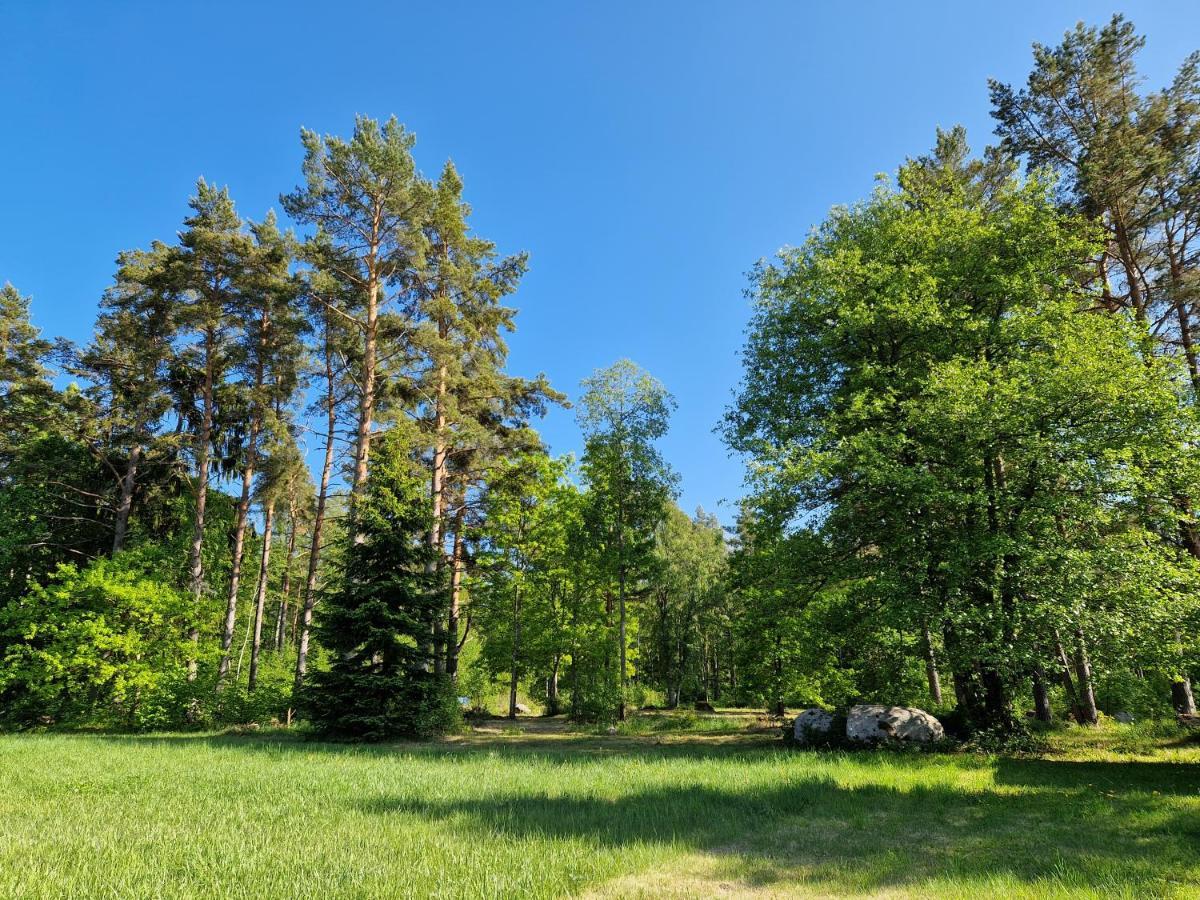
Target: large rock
column 871, row 723
column 812, row 725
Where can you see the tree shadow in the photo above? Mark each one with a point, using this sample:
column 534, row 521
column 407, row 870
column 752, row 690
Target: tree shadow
column 1119, row 778
column 568, row 749
column 869, row 837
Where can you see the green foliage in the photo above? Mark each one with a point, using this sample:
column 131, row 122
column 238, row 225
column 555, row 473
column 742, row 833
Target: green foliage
column 96, row 645
column 964, row 444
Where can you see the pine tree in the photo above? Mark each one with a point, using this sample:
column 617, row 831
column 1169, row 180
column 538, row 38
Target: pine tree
column 25, row 387
column 367, row 201
column 208, row 268
column 475, row 412
column 126, row 369
column 269, row 356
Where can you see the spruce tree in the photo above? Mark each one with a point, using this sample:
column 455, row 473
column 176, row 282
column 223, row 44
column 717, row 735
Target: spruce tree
column 377, row 623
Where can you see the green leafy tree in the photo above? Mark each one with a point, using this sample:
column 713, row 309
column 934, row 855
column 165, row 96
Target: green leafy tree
column 1130, row 161
column 623, row 412
column 924, row 388
column 518, row 599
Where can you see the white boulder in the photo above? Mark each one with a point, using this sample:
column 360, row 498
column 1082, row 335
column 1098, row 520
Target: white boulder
column 812, row 724
column 870, row 723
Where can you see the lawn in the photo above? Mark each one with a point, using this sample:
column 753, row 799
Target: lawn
column 715, row 806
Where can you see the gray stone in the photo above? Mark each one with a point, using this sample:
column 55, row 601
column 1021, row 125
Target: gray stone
column 522, row 709
column 870, row 723
column 812, row 725
column 1124, row 718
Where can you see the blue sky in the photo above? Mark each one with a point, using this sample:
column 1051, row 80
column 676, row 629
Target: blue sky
column 645, row 154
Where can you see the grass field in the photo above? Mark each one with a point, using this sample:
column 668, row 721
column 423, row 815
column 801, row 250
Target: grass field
column 703, row 807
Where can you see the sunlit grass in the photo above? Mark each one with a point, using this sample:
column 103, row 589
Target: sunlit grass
column 547, row 814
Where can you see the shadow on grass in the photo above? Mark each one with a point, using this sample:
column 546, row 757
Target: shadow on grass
column 1130, row 828
column 1106, row 778
column 573, row 748
column 867, row 837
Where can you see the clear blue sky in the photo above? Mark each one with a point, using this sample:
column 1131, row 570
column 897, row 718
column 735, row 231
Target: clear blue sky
column 644, row 153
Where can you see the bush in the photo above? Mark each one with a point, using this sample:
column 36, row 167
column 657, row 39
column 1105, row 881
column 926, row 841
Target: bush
column 97, row 646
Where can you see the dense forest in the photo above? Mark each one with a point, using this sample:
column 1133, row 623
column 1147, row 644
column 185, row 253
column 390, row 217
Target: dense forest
column 291, row 478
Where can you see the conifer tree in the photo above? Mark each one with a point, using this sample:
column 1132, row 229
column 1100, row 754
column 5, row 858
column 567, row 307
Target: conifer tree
column 268, row 355
column 208, row 269
column 24, row 371
column 474, row 411
column 376, row 624
column 367, row 201
column 126, row 369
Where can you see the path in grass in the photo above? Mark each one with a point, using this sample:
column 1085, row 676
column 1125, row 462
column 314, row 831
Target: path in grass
column 553, row 813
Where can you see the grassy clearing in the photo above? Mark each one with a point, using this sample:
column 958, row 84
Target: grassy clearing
column 549, row 813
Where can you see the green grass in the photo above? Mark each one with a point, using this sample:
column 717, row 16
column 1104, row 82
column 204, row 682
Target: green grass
column 548, row 813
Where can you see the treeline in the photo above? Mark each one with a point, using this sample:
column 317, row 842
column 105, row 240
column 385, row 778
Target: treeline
column 168, row 557
column 969, row 407
column 291, row 477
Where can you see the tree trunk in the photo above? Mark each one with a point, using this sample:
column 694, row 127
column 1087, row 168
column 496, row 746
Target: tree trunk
column 1068, row 682
column 1041, row 699
column 125, row 501
column 366, row 407
column 286, row 588
column 260, row 594
column 304, row 625
column 1181, row 690
column 243, row 507
column 196, row 550
column 239, row 541
column 552, row 702
column 516, row 654
column 1083, row 671
column 931, row 671
column 437, row 504
column 456, row 580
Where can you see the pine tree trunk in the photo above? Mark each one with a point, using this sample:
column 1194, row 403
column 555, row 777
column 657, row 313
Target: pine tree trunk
column 456, row 580
column 286, row 588
column 196, row 550
column 239, row 539
column 304, row 625
column 260, row 596
column 366, row 408
column 437, row 501
column 125, row 500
